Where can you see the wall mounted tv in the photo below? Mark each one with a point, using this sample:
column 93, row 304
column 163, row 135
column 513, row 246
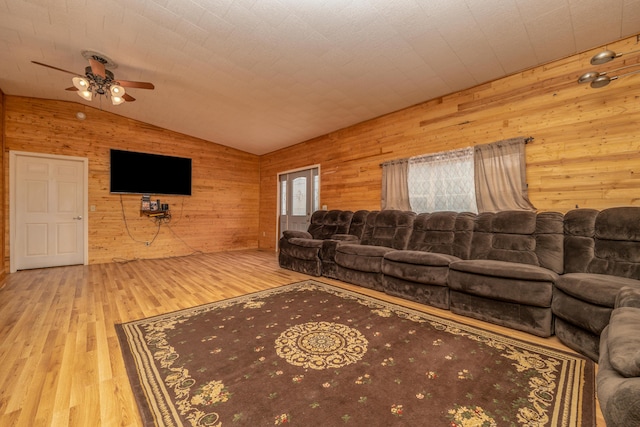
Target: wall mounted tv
column 145, row 173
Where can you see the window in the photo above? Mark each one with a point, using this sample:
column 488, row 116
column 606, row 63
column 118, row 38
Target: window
column 442, row 182
column 484, row 178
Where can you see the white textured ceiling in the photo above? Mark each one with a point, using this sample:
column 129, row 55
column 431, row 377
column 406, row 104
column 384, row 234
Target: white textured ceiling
column 259, row 75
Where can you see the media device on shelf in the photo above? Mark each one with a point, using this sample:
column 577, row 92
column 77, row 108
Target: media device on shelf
column 145, row 173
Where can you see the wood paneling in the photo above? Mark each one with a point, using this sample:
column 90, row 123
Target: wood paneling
column 221, row 214
column 3, row 211
column 585, row 152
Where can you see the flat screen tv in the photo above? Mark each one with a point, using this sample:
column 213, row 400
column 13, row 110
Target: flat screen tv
column 145, row 173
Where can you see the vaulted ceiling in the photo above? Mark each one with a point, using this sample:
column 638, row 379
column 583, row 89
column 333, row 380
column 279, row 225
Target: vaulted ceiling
column 259, row 75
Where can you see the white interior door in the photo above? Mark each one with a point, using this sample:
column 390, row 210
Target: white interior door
column 48, row 211
column 299, row 198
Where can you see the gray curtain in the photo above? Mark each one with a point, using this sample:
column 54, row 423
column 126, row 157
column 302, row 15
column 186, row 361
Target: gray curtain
column 395, row 192
column 500, row 178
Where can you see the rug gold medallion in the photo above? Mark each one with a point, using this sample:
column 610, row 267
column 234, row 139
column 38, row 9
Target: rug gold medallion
column 321, row 345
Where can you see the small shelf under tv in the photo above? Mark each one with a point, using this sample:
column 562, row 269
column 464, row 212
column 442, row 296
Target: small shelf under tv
column 156, row 214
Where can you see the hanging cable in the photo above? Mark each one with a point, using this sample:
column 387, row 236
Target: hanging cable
column 126, row 226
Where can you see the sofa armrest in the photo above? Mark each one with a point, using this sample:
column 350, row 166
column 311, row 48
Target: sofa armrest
column 619, row 396
column 290, row 234
column 623, row 341
column 628, row 297
column 329, row 246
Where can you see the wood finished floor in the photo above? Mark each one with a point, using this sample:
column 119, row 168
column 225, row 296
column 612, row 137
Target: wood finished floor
column 60, row 361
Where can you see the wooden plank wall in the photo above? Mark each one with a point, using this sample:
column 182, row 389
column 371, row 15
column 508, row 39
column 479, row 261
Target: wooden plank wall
column 3, row 211
column 222, row 213
column 585, row 151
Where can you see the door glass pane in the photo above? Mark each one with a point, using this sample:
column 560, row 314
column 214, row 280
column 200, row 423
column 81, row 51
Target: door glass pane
column 316, row 191
column 299, row 202
column 283, row 197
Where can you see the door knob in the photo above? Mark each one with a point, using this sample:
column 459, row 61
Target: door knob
column 77, row 217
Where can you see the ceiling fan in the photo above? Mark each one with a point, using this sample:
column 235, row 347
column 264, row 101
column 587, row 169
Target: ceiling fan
column 98, row 80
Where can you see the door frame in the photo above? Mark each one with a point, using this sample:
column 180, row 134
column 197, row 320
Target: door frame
column 315, row 166
column 13, row 155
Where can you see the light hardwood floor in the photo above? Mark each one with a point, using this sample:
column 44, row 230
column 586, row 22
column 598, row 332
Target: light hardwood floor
column 60, row 361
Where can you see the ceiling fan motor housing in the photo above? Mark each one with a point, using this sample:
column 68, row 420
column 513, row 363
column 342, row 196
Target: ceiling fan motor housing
column 100, row 83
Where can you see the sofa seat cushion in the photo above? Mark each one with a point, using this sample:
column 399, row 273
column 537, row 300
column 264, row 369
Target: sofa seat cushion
column 504, row 269
column 624, row 341
column 421, row 258
column 590, row 318
column 417, row 266
column 303, row 248
column 598, row 289
column 503, row 281
column 365, row 258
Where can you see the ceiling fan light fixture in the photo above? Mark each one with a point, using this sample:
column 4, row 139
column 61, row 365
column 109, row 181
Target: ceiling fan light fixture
column 117, row 90
column 99, row 80
column 85, row 94
column 80, row 83
column 117, row 100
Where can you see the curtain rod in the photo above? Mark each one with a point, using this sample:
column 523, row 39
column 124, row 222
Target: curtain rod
column 527, row 140
column 393, row 162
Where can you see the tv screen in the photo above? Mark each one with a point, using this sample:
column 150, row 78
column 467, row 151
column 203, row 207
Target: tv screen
column 145, row 173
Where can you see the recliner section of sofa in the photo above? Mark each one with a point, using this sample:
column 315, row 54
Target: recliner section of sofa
column 300, row 250
column 329, row 246
column 361, row 264
column 420, row 273
column 602, row 256
column 516, row 257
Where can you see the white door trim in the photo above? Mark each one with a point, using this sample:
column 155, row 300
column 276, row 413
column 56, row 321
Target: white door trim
column 13, row 155
column 316, row 166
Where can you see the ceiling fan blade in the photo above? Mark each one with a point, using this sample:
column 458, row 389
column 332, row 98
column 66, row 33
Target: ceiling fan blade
column 72, row 88
column 97, row 68
column 56, row 68
column 128, row 97
column 140, row 85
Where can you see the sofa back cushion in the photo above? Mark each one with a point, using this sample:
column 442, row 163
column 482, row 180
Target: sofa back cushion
column 443, row 232
column 605, row 242
column 579, row 239
column 325, row 224
column 524, row 237
column 359, row 222
column 390, row 228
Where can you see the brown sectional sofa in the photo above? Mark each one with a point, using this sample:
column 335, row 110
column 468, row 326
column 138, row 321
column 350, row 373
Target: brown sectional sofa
column 542, row 273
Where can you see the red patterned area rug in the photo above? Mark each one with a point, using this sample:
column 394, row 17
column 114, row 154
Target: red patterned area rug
column 311, row 354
